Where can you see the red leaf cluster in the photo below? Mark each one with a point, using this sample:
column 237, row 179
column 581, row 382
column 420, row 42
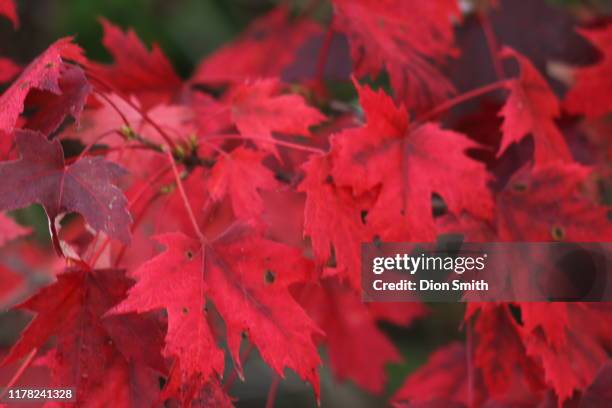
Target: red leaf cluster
column 261, row 193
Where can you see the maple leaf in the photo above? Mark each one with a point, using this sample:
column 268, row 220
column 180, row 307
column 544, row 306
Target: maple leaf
column 239, row 176
column 531, row 108
column 499, row 349
column 136, row 71
column 443, row 378
column 405, row 38
column 210, row 394
column 42, row 176
column 332, row 220
column 258, row 110
column 8, row 9
column 52, row 108
column 351, row 333
column 174, row 281
column 590, row 95
column 570, row 352
column 247, row 279
column 43, row 73
column 407, row 164
column 96, row 356
column 546, row 203
column 8, row 70
column 248, row 57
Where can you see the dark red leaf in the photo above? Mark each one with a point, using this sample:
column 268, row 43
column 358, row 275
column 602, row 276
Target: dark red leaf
column 86, row 186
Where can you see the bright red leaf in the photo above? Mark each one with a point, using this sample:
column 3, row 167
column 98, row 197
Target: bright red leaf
column 240, row 176
column 591, row 94
column 258, row 109
column 275, row 34
column 530, row 209
column 43, row 73
column 407, row 163
column 92, row 354
column 532, row 109
column 246, row 278
column 404, row 38
column 136, row 71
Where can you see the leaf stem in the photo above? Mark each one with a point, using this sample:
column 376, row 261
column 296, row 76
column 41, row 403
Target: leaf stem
column 492, row 44
column 181, row 189
column 275, row 141
column 450, row 103
column 137, row 108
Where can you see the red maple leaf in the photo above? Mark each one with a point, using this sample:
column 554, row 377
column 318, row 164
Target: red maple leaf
column 547, row 203
column 247, row 279
column 258, row 109
column 333, row 221
column 248, row 57
column 85, row 186
column 174, row 281
column 591, row 94
column 43, row 73
column 406, row 39
column 442, row 380
column 136, row 71
column 52, row 108
column 499, row 350
column 532, row 109
column 240, row 176
column 96, row 356
column 407, row 163
column 351, row 333
column 572, row 350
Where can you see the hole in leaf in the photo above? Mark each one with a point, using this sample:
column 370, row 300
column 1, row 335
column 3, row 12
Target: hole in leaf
column 516, row 314
column 558, row 233
column 269, row 277
column 519, row 187
column 438, row 206
column 364, row 215
column 185, row 310
column 189, row 254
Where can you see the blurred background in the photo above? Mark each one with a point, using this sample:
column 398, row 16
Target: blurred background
column 187, row 31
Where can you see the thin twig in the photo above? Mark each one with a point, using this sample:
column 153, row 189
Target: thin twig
column 450, row 103
column 492, row 44
column 188, row 208
column 273, row 391
column 274, row 141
